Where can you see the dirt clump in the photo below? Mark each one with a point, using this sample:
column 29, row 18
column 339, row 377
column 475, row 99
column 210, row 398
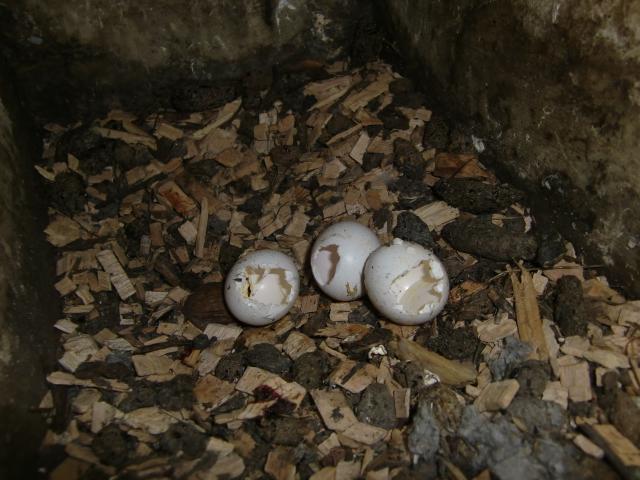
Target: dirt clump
column 310, row 369
column 113, row 446
column 478, row 236
column 182, row 437
column 231, row 367
column 266, row 356
column 454, row 343
column 570, row 312
column 411, row 227
column 475, row 196
column 376, row 406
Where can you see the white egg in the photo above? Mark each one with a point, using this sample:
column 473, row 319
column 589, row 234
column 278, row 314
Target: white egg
column 261, row 287
column 338, row 256
column 406, row 282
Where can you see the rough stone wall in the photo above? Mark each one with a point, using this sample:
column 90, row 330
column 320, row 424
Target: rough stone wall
column 553, row 88
column 27, row 339
column 73, row 53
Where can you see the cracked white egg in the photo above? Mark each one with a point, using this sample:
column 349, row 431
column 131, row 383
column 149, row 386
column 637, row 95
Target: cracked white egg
column 261, row 287
column 406, row 282
column 338, row 256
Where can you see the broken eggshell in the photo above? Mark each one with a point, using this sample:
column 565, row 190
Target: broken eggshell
column 338, row 256
column 406, row 282
column 261, row 287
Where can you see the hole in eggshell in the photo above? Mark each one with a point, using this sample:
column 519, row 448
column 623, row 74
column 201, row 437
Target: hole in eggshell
column 326, row 263
column 268, row 286
column 418, row 288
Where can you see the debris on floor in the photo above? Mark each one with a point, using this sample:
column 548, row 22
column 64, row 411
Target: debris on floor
column 530, row 371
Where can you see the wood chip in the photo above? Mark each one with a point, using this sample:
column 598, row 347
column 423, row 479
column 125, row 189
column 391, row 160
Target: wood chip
column 556, row 392
column 575, row 345
column 334, row 210
column 627, row 314
column 574, row 376
column 217, row 141
column 309, row 303
column 328, row 444
column 540, row 282
column 127, row 137
column 607, row 358
column 338, row 137
column 402, row 402
column 489, row 331
column 229, row 466
column 65, row 325
column 348, row 470
column 339, row 311
column 64, row 378
column 346, row 331
column 176, row 198
column 363, row 97
column 599, row 289
column 230, row 157
column 326, row 473
column 382, row 474
column 189, row 232
column 219, row 446
column 364, row 433
column 448, row 165
column 360, row 148
column 203, row 220
column 297, row 344
column 62, row 231
column 280, row 464
column 497, row 395
column 150, row 419
column 300, row 250
column 147, row 365
column 528, row 315
column 222, row 332
column 329, row 91
column 334, row 409
column 298, row 224
column 51, row 176
column 65, row 286
column 450, row 372
column 225, row 114
column 168, row 131
column 588, row 447
column 256, row 377
column 624, row 455
column 437, row 214
column 212, row 391
column 117, row 275
column 141, row 173
column 563, row 268
column 352, row 376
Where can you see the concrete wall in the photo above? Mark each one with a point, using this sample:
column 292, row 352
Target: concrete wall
column 27, row 302
column 73, row 53
column 553, row 87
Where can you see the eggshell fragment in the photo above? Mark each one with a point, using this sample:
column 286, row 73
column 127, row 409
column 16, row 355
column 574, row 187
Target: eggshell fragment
column 261, row 287
column 338, row 257
column 406, row 282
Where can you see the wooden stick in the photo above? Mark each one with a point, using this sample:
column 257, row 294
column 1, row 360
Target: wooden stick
column 528, row 314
